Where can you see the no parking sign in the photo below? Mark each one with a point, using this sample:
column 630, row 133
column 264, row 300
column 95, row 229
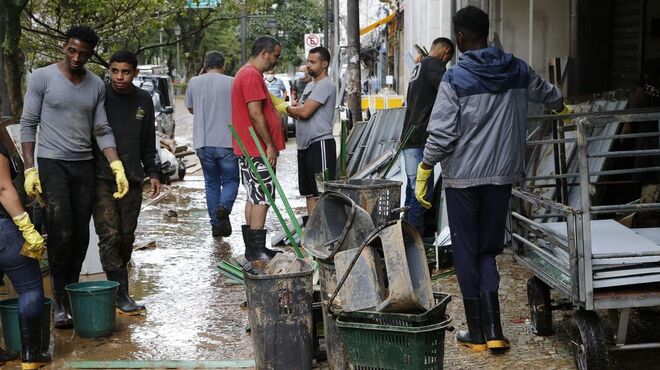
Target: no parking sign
column 312, row 40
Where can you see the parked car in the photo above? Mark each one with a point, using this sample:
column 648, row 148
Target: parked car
column 290, row 121
column 154, row 79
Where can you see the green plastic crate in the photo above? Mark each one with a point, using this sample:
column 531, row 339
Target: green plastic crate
column 396, row 341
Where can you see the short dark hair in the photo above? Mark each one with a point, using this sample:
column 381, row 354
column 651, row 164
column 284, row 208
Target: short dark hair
column 443, row 41
column 82, row 33
column 471, row 20
column 124, row 56
column 264, row 43
column 322, row 51
column 214, row 59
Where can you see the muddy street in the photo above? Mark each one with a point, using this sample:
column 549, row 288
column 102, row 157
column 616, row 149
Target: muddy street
column 193, row 315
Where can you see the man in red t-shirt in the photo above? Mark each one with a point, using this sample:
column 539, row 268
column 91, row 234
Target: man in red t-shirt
column 251, row 106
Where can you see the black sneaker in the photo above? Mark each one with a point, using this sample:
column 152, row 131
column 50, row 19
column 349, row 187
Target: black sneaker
column 215, row 231
column 224, row 225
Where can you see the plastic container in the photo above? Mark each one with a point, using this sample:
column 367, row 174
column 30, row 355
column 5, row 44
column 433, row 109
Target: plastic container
column 93, row 307
column 378, row 340
column 334, row 338
column 280, row 311
column 336, row 224
column 380, row 198
column 11, row 330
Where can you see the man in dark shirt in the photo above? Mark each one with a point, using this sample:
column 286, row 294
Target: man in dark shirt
column 130, row 113
column 422, row 89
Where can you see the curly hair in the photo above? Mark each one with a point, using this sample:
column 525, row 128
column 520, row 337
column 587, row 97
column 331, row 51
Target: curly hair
column 471, row 20
column 82, row 33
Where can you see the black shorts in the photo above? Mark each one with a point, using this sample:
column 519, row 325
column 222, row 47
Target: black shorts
column 319, row 158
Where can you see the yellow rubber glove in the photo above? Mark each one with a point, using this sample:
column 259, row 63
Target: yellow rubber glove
column 34, row 243
column 421, row 183
column 120, row 178
column 275, row 99
column 32, row 184
column 568, row 109
column 281, row 108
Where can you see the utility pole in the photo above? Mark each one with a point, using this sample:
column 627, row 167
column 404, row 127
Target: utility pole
column 353, row 88
column 326, row 24
column 243, row 35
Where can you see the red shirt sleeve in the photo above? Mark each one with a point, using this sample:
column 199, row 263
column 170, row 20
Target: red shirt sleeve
column 253, row 88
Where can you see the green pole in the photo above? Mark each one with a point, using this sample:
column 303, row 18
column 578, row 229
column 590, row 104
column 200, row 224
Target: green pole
column 276, row 182
column 343, row 149
column 265, row 190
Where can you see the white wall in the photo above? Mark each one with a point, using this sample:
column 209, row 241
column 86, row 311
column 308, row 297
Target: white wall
column 424, row 21
column 550, row 25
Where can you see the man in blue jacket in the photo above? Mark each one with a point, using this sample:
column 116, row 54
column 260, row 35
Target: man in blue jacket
column 477, row 131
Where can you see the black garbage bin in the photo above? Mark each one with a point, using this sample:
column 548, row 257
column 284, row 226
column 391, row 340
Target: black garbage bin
column 280, row 311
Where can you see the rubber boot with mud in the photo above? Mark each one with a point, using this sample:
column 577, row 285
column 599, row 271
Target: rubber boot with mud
column 255, row 246
column 244, row 230
column 6, row 356
column 63, row 318
column 125, row 304
column 33, row 353
column 491, row 323
column 473, row 337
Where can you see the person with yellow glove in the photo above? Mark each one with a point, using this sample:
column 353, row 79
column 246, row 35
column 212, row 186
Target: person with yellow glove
column 130, row 114
column 313, row 113
column 71, row 118
column 477, row 131
column 22, row 248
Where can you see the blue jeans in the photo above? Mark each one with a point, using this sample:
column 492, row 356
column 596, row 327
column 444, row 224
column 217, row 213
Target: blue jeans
column 23, row 272
column 220, row 167
column 412, row 158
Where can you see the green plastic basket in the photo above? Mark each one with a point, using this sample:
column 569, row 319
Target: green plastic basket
column 396, row 341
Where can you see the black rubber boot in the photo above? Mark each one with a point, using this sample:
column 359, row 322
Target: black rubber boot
column 491, row 323
column 63, row 318
column 224, row 225
column 6, row 356
column 244, row 230
column 33, row 353
column 473, row 337
column 125, row 304
column 255, row 246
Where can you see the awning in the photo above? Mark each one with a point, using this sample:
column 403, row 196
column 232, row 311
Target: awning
column 377, row 24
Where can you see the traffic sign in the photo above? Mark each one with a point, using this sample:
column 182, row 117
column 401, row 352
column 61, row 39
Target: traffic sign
column 312, row 40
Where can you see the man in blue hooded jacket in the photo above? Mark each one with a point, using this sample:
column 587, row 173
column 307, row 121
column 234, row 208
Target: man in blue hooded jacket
column 477, row 131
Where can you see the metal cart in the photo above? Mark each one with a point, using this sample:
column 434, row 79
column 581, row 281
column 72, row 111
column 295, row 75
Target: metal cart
column 594, row 263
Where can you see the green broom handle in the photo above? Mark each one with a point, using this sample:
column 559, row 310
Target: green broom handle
column 285, row 201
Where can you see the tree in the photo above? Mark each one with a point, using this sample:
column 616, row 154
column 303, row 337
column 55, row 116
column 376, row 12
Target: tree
column 12, row 57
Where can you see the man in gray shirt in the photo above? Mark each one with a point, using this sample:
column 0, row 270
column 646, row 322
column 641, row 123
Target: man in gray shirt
column 66, row 102
column 208, row 98
column 317, row 156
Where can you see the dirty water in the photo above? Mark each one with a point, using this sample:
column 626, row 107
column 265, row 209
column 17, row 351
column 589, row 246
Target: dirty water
column 193, row 315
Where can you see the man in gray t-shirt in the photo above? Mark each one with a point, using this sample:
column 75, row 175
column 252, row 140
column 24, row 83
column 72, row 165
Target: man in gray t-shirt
column 208, row 98
column 66, row 102
column 317, row 159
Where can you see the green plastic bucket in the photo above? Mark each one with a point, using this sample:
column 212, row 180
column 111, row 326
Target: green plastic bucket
column 11, row 330
column 93, row 307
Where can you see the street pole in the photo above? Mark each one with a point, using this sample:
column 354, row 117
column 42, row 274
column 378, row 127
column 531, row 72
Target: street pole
column 160, row 55
column 326, row 33
column 243, row 36
column 178, row 71
column 353, row 88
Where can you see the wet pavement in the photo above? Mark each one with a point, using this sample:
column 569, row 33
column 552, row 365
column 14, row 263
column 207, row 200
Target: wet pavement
column 194, row 315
